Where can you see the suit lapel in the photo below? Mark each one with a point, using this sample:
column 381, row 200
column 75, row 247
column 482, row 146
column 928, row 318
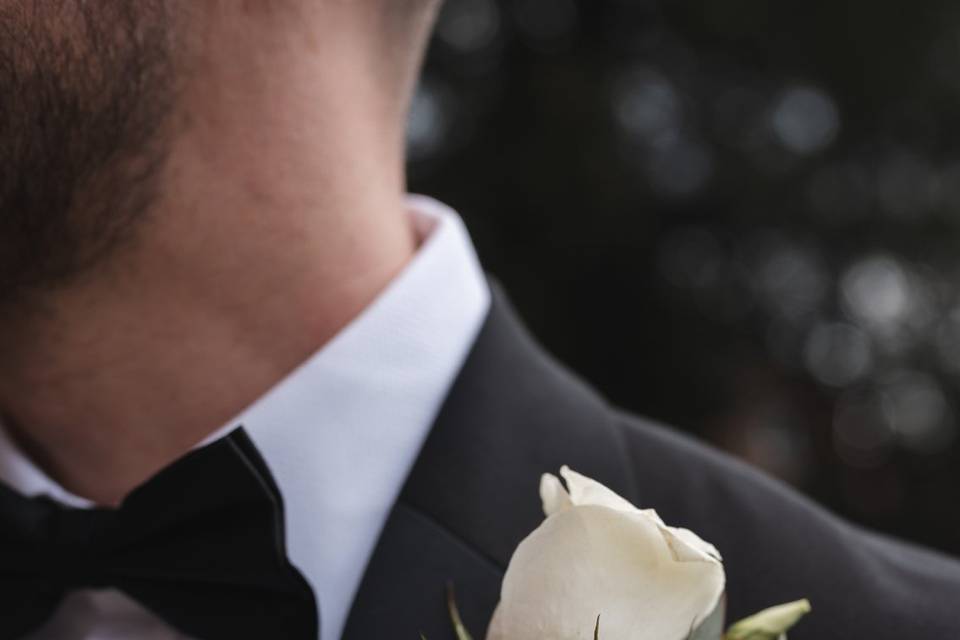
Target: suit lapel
column 511, row 415
column 404, row 590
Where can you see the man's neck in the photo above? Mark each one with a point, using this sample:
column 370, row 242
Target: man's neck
column 283, row 218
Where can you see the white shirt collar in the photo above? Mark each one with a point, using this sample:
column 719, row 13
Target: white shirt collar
column 342, row 432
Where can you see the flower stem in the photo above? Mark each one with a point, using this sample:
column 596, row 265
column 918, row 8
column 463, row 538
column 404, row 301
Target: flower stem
column 458, row 627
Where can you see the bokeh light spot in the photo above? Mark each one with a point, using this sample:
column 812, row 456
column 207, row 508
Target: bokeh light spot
column 806, row 120
column 838, row 354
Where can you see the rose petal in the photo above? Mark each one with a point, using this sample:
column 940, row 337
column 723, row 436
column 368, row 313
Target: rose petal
column 553, row 495
column 589, row 560
column 688, row 546
column 586, row 491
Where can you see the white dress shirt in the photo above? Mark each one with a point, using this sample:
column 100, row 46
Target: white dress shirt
column 340, row 434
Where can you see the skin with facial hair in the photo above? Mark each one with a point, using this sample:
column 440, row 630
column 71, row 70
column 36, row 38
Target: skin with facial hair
column 194, row 197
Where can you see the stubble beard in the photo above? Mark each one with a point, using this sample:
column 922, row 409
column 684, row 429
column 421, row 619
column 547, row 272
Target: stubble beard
column 86, row 91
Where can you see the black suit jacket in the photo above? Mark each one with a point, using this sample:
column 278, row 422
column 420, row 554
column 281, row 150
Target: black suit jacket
column 514, row 413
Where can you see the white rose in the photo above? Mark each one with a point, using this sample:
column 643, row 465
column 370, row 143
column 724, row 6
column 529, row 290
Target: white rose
column 598, row 555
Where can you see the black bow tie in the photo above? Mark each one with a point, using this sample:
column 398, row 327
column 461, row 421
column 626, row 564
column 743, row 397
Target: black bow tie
column 201, row 545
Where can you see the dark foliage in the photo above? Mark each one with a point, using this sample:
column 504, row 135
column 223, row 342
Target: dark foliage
column 741, row 218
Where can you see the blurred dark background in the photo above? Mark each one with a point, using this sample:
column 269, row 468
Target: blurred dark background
column 741, row 218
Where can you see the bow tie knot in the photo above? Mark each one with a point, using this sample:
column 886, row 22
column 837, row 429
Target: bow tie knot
column 201, row 545
column 76, row 547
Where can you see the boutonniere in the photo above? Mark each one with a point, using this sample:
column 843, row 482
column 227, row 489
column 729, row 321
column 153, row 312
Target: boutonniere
column 598, row 567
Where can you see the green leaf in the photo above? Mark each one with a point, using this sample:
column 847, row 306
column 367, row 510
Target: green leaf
column 458, row 627
column 596, row 630
column 769, row 624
